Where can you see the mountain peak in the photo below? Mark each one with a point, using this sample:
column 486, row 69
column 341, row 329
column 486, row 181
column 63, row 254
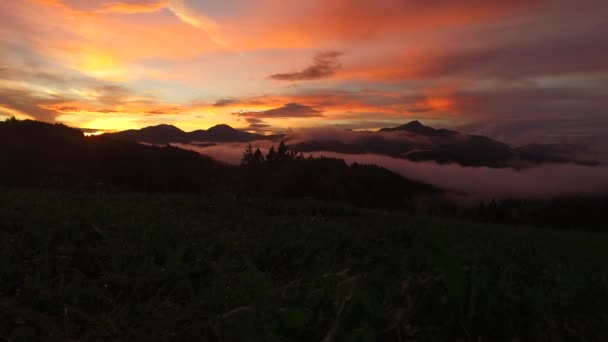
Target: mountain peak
column 412, row 126
column 222, row 127
column 162, row 127
column 414, row 123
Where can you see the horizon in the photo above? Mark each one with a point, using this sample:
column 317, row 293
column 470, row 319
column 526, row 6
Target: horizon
column 89, row 132
column 508, row 70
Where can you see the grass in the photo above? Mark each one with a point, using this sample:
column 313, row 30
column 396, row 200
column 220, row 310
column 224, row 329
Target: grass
column 81, row 266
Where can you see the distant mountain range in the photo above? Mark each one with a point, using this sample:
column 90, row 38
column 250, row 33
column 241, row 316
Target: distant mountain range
column 165, row 134
column 412, row 141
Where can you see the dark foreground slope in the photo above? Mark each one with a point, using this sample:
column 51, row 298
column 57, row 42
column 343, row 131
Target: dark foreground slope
column 37, row 154
column 52, row 155
column 185, row 267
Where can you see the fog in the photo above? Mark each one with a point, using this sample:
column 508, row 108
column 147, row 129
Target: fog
column 331, row 134
column 546, row 180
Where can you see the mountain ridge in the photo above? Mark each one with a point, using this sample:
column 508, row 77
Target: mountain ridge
column 412, row 141
column 166, row 134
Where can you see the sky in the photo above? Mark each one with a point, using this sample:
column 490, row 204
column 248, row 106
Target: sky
column 515, row 70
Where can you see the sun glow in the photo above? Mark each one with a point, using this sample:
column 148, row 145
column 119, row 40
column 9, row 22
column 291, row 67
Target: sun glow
column 102, row 65
column 440, row 103
column 93, row 134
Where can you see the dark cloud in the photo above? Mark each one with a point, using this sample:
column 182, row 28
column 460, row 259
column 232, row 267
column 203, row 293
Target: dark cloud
column 325, row 64
column 30, row 103
column 67, row 108
column 522, row 59
column 290, row 110
column 254, row 120
column 224, row 102
column 167, row 110
column 257, row 125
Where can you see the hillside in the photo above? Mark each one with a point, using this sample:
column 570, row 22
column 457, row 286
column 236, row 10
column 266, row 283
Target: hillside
column 53, row 155
column 79, row 266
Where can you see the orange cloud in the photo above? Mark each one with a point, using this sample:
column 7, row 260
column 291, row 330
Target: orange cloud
column 137, row 7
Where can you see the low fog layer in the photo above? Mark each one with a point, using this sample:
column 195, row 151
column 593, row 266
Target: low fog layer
column 541, row 181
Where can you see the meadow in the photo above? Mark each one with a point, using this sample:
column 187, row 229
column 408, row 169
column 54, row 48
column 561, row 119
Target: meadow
column 83, row 266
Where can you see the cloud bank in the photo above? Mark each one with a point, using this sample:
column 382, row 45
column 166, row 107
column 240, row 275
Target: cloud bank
column 543, row 181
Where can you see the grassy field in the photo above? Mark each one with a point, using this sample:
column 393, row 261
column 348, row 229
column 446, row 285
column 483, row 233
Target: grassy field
column 182, row 268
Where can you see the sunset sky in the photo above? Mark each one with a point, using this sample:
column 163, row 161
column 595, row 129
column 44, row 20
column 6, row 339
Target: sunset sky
column 517, row 70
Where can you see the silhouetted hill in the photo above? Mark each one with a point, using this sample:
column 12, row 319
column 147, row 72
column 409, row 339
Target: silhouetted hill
column 418, row 128
column 165, row 134
column 41, row 154
column 417, row 142
column 334, row 180
column 223, row 133
column 161, row 134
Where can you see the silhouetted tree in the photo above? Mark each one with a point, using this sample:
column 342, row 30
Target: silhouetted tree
column 292, row 155
column 247, row 155
column 481, row 212
column 258, row 157
column 282, row 151
column 272, row 155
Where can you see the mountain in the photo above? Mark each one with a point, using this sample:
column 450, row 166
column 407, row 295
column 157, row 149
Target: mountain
column 418, row 128
column 417, row 142
column 223, row 133
column 161, row 134
column 165, row 134
column 412, row 141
